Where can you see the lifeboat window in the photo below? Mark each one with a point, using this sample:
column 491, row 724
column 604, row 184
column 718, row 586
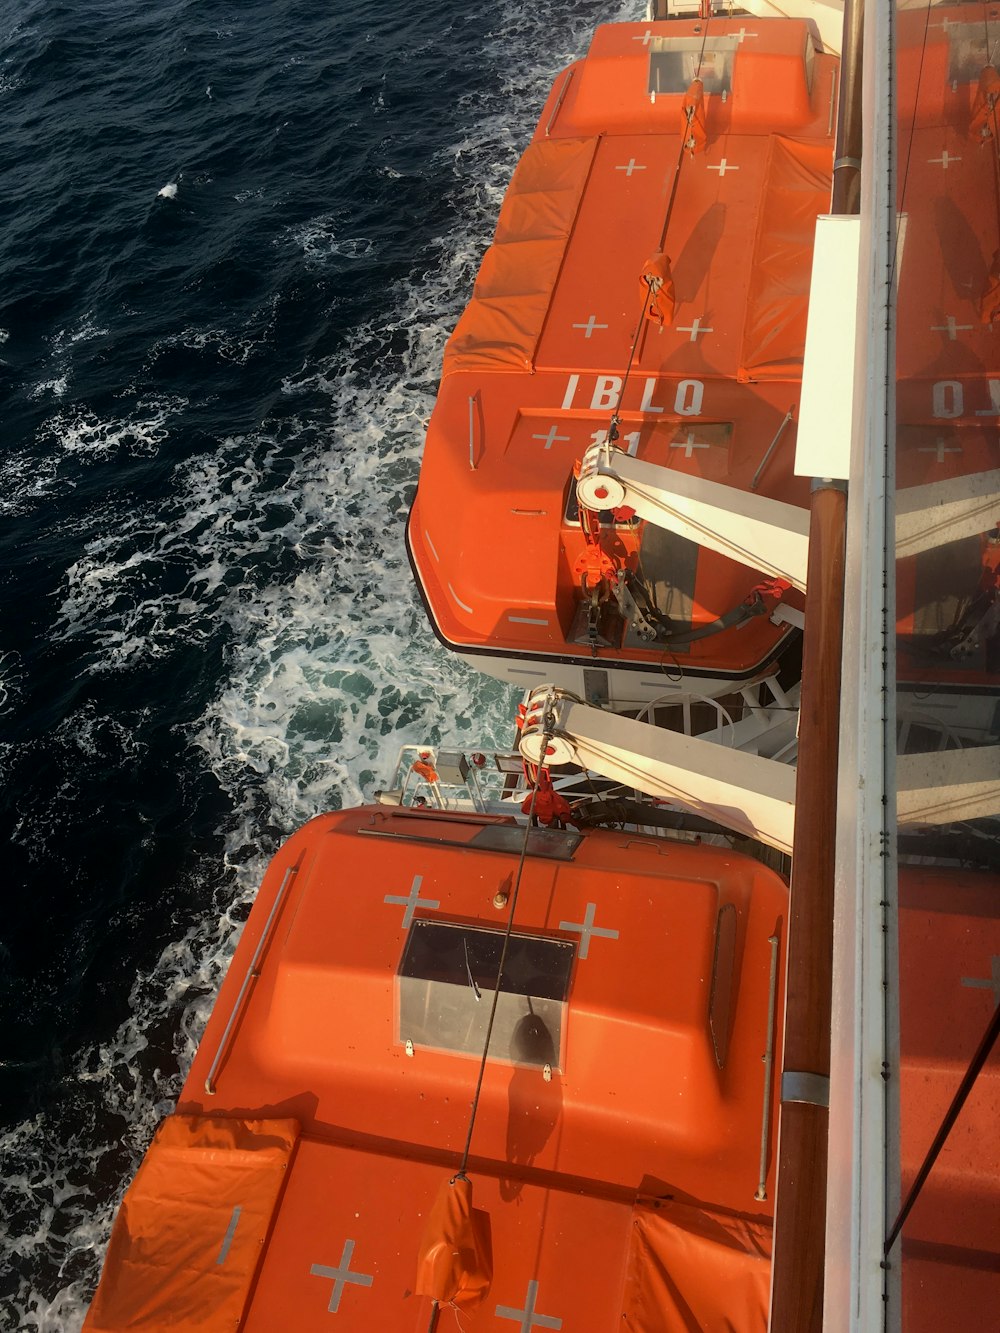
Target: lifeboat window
column 445, row 989
column 965, row 51
column 720, row 1000
column 549, row 844
column 675, row 61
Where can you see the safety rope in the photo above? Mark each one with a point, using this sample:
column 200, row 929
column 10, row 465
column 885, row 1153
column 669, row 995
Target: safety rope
column 909, row 146
column 983, row 1050
column 547, row 733
column 995, row 137
column 986, row 34
column 615, row 422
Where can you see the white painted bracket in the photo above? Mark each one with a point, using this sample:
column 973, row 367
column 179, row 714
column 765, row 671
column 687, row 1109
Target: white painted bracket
column 827, row 15
column 947, row 785
column 944, row 511
column 738, row 524
column 753, row 796
column 826, row 407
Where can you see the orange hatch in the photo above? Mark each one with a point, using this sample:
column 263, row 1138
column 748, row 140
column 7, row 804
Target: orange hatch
column 710, row 155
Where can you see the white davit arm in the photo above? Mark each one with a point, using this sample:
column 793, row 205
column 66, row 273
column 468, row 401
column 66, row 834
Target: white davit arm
column 948, row 785
column 826, row 15
column 944, row 511
column 750, row 795
column 765, row 534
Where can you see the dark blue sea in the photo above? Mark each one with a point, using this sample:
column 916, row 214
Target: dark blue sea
column 234, row 237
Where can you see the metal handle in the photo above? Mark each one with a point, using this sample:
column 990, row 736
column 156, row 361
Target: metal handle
column 559, row 101
column 249, row 976
column 771, row 447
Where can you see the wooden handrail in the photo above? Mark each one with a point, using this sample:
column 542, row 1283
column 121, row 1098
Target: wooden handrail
column 800, row 1207
column 800, row 1204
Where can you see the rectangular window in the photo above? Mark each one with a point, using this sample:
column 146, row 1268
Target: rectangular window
column 446, row 981
column 675, row 61
column 548, row 844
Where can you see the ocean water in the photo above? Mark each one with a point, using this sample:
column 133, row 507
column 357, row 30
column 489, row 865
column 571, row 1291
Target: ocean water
column 234, row 238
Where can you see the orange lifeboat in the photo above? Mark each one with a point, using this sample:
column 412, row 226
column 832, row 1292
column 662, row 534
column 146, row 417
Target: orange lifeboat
column 578, row 1025
column 623, row 1155
column 712, row 149
column 623, row 1151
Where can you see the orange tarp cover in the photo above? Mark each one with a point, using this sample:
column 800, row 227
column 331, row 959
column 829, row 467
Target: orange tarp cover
column 454, row 1262
column 191, row 1229
column 503, row 322
column 693, row 118
column 656, row 283
column 796, row 191
column 692, row 1270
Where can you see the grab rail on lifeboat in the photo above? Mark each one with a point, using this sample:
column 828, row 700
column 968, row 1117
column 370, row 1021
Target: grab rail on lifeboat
column 249, row 977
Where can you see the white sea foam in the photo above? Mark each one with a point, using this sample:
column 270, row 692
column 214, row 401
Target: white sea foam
column 54, row 388
column 82, row 331
column 31, row 475
column 10, row 680
column 84, row 434
column 26, row 480
column 60, row 368
column 168, row 191
column 331, row 665
column 236, row 346
column 320, row 241
column 4, row 336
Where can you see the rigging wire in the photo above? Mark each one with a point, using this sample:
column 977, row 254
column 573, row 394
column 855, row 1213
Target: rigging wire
column 547, row 733
column 909, row 145
column 983, row 1050
column 612, row 434
column 995, row 137
column 640, row 326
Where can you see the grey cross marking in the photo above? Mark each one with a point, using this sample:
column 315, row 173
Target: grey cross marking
column 587, row 929
column 992, row 982
column 341, row 1276
column 411, row 901
column 527, row 1317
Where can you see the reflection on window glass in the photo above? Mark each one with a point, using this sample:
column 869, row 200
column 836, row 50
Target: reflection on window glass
column 947, row 470
column 446, row 982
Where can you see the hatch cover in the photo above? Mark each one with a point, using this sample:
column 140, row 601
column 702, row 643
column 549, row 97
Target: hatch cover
column 446, row 980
